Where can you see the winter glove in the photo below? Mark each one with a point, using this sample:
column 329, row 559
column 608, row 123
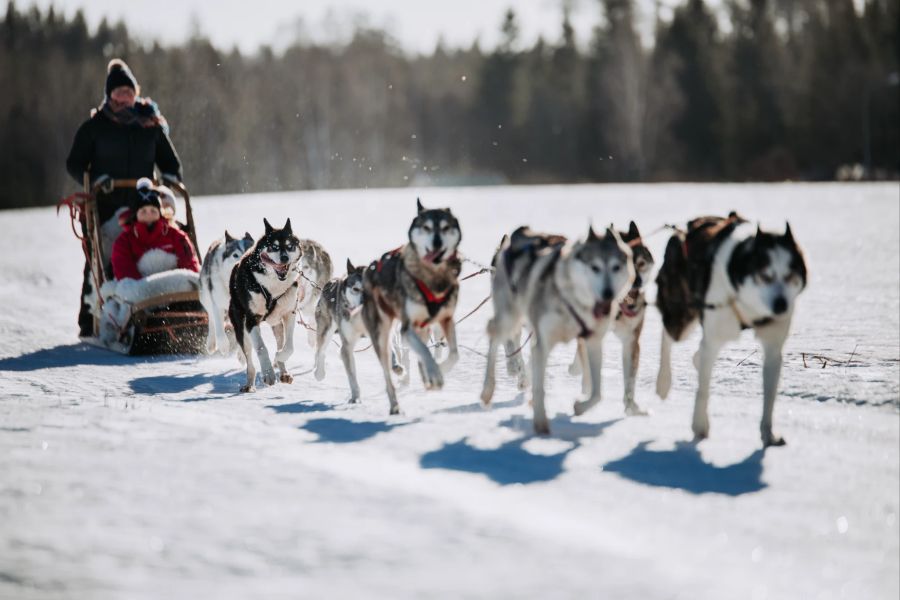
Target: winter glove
column 104, row 183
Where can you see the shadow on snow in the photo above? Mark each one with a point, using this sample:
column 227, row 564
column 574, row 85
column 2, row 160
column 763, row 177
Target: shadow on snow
column 683, row 468
column 512, row 463
column 342, row 431
column 73, row 355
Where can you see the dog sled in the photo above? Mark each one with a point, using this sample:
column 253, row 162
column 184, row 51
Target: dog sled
column 160, row 314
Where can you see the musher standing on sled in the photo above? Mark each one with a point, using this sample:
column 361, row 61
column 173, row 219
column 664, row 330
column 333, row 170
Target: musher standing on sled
column 124, row 138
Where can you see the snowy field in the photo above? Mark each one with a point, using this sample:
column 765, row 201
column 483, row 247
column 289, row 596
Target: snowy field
column 153, row 478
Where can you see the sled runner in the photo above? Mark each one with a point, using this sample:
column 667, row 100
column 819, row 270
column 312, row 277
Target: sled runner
column 160, row 314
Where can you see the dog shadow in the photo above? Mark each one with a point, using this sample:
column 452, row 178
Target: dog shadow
column 343, row 431
column 512, row 463
column 173, row 384
column 295, row 408
column 508, row 464
column 683, row 468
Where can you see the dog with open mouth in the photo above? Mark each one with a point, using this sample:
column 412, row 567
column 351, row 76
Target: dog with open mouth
column 417, row 284
column 564, row 291
column 728, row 275
column 629, row 321
column 264, row 289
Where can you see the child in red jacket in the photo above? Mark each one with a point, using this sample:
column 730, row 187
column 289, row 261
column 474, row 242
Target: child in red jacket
column 149, row 244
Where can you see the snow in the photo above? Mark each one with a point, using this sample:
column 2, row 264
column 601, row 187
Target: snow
column 153, row 478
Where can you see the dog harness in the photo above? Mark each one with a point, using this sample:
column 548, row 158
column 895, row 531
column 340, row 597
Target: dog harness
column 434, row 302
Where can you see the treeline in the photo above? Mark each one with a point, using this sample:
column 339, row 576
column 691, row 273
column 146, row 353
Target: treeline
column 765, row 90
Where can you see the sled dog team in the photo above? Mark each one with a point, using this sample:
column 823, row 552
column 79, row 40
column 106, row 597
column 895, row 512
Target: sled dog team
column 720, row 272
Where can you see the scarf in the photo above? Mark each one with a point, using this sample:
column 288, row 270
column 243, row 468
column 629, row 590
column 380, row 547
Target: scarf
column 144, row 113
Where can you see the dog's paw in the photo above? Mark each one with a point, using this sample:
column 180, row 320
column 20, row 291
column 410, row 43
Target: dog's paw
column 434, row 381
column 770, row 439
column 486, row 394
column 632, row 409
column 353, row 399
column 542, row 427
column 268, row 377
column 701, row 430
column 286, row 378
column 398, row 370
column 247, row 388
column 319, row 373
column 395, row 409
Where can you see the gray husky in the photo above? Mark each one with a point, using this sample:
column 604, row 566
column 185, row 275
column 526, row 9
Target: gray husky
column 264, row 288
column 315, row 271
column 564, row 291
column 220, row 259
column 416, row 284
column 729, row 276
column 340, row 310
column 629, row 321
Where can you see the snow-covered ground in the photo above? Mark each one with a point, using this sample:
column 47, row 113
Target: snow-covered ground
column 153, row 478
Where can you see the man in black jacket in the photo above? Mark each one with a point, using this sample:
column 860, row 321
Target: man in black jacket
column 124, row 138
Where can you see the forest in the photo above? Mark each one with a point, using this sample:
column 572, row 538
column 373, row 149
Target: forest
column 753, row 90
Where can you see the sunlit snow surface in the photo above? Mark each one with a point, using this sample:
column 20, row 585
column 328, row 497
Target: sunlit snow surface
column 153, row 478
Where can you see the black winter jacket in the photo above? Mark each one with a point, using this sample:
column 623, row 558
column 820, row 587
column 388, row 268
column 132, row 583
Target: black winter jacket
column 103, row 147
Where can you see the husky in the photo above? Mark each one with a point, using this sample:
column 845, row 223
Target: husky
column 315, row 271
column 215, row 296
column 564, row 291
column 340, row 310
column 417, row 285
column 629, row 321
column 264, row 288
column 729, row 276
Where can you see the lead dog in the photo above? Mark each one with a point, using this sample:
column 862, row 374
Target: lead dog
column 264, row 289
column 564, row 291
column 416, row 284
column 629, row 321
column 729, row 276
column 215, row 296
column 340, row 310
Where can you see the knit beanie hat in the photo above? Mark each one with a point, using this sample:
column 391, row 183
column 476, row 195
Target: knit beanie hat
column 117, row 75
column 146, row 196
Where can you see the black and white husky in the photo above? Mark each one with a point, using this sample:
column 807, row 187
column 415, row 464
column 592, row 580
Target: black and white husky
column 416, row 284
column 629, row 321
column 564, row 291
column 215, row 296
column 340, row 310
column 729, row 276
column 264, row 288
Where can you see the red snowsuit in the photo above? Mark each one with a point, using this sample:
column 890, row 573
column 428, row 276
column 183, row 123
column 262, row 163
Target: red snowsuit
column 136, row 239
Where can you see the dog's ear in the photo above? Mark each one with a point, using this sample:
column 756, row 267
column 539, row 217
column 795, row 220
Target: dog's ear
column 788, row 235
column 228, row 237
column 419, row 207
column 287, row 226
column 633, row 231
column 349, row 267
column 758, row 229
column 269, row 228
column 591, row 234
column 248, row 237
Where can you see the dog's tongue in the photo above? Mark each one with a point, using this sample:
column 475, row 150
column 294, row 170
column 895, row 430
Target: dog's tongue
column 601, row 309
column 434, row 256
column 627, row 310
